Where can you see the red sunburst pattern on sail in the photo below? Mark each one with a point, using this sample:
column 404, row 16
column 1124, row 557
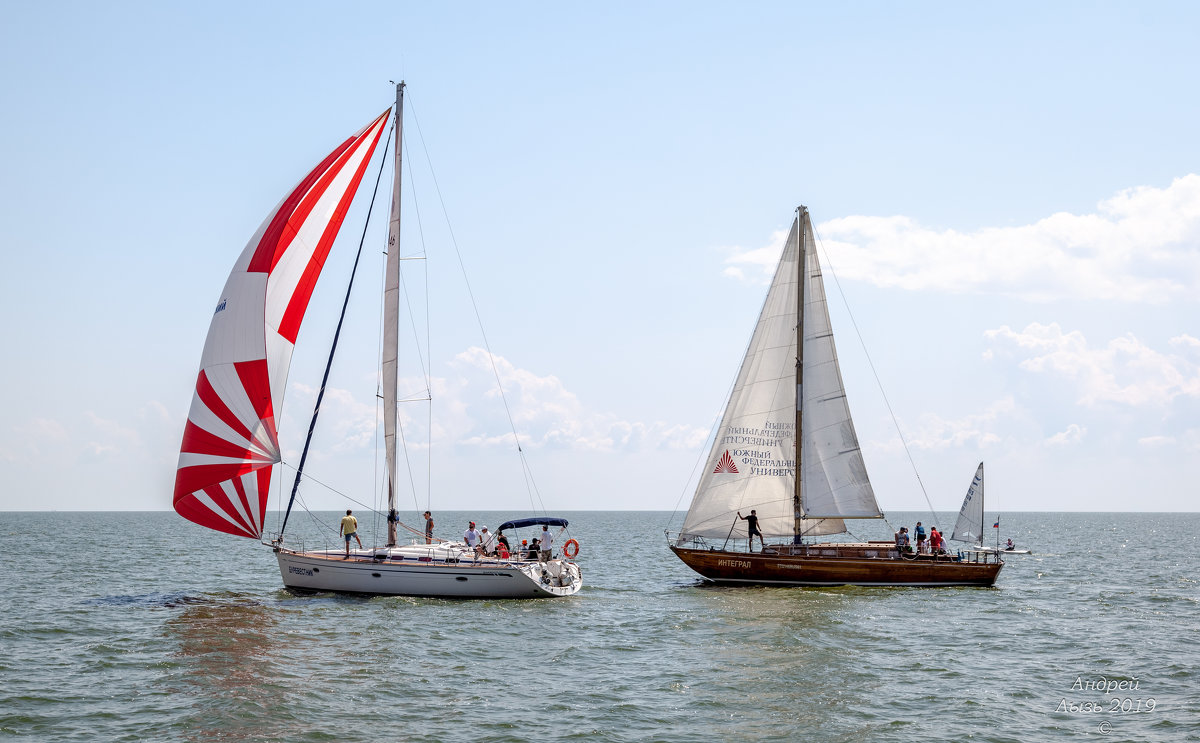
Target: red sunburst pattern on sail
column 230, row 441
column 726, row 465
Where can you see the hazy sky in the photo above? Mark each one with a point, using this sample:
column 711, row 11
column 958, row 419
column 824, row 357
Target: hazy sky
column 1007, row 194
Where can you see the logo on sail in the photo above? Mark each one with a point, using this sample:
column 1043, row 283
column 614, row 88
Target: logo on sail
column 726, row 465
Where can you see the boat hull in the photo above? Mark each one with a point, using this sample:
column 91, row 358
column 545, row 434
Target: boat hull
column 868, row 564
column 363, row 573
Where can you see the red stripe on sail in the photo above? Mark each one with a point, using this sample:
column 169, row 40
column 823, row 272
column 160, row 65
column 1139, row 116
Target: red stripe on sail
column 207, row 478
column 198, row 441
column 279, row 233
column 239, row 487
column 218, row 496
column 209, row 396
column 289, row 324
column 278, row 236
column 264, row 489
column 256, row 380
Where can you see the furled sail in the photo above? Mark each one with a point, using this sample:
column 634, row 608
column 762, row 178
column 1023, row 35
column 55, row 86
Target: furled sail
column 230, row 441
column 969, row 527
column 752, row 462
column 834, row 478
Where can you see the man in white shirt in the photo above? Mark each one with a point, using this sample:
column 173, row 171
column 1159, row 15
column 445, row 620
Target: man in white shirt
column 545, row 543
column 487, row 541
column 470, row 536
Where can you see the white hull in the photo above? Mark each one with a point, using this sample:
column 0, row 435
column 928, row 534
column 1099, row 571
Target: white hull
column 443, row 571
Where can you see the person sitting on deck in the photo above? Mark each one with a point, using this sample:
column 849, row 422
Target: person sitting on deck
column 532, row 554
column 487, row 542
column 1009, row 546
column 905, row 543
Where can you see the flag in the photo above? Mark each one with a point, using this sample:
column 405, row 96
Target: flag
column 996, row 525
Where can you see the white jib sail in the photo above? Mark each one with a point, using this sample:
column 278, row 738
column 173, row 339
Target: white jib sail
column 752, row 461
column 969, row 527
column 835, row 483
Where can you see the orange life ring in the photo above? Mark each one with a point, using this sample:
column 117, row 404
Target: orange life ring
column 567, row 549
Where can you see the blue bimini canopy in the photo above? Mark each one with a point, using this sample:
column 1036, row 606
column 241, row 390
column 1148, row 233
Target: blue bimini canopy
column 518, row 523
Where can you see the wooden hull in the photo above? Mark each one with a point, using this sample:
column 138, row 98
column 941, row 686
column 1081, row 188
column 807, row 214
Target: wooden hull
column 835, row 564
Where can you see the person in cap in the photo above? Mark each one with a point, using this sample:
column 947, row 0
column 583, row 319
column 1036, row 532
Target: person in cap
column 428, row 528
column 487, row 541
column 471, row 536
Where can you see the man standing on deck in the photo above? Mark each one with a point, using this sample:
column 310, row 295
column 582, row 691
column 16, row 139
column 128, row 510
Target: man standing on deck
column 545, row 543
column 350, row 529
column 920, row 530
column 428, row 528
column 752, row 526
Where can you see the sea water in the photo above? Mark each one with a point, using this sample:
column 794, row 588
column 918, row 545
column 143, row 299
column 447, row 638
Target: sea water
column 142, row 626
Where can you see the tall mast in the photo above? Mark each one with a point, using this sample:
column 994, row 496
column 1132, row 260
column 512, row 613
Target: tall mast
column 798, row 434
column 391, row 317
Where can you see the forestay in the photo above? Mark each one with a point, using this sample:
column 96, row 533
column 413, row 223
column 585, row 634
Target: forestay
column 230, row 442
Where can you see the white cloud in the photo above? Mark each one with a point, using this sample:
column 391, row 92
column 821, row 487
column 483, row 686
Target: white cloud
column 1073, row 435
column 759, row 263
column 468, row 411
column 1141, row 245
column 1123, row 371
column 934, row 432
column 1157, row 441
column 546, row 413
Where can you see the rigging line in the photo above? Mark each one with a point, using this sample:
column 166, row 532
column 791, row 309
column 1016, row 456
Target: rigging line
column 426, row 369
column 871, row 364
column 470, row 293
column 336, row 333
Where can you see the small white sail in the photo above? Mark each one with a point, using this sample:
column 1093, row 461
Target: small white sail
column 969, row 527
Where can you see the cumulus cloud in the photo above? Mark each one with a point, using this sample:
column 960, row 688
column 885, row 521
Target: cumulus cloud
column 933, row 432
column 468, row 411
column 1123, row 370
column 1141, row 245
column 546, row 413
column 1073, row 435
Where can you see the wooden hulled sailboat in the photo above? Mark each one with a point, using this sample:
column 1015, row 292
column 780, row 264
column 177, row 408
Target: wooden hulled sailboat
column 786, row 449
column 231, row 444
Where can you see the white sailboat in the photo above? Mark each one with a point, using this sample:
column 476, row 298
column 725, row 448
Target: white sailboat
column 786, row 453
column 231, row 443
column 971, row 523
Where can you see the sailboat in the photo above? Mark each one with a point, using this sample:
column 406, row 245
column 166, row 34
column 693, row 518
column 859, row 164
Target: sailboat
column 970, row 525
column 231, row 439
column 785, row 454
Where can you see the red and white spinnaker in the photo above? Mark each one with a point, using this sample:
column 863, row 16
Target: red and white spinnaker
column 230, row 442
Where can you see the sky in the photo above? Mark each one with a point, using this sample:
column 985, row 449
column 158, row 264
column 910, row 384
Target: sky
column 1007, row 201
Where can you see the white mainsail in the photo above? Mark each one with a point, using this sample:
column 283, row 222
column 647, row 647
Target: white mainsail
column 835, row 483
column 752, row 462
column 969, row 527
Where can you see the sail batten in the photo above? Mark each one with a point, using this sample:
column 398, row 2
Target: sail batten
column 230, row 442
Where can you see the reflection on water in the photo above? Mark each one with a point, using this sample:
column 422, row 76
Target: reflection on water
column 225, row 668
